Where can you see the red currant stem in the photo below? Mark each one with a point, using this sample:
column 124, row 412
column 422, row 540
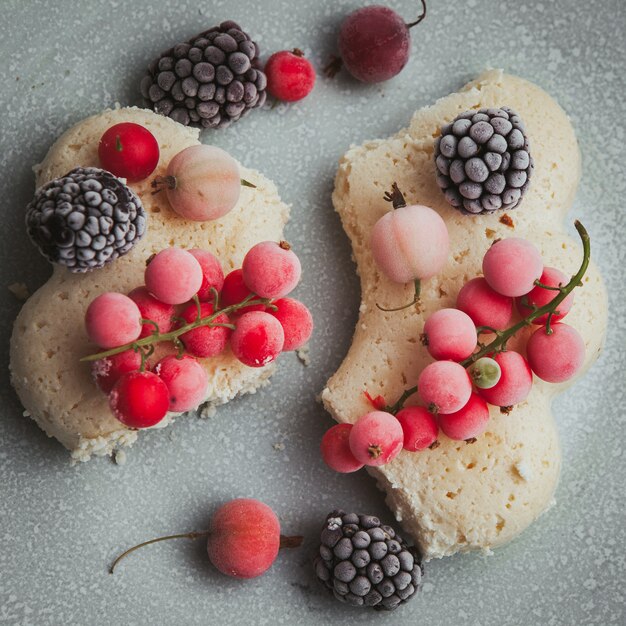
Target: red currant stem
column 395, row 196
column 549, row 330
column 151, row 322
column 118, row 144
column 175, row 334
column 540, row 284
column 162, row 182
column 198, row 307
column 247, row 183
column 216, row 298
column 416, row 299
column 285, row 542
column 332, row 68
column 420, row 18
column 502, row 336
column 486, row 329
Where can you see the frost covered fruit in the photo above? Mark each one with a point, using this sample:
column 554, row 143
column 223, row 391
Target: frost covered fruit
column 258, row 338
column 335, row 449
column 557, row 355
column 139, row 399
column 376, row 438
column 290, row 76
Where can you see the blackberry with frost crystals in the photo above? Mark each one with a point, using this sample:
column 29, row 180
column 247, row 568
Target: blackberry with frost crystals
column 210, row 81
column 85, row 219
column 483, row 161
column 365, row 563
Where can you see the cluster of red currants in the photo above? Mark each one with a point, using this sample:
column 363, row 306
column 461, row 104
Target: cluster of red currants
column 469, row 374
column 190, row 307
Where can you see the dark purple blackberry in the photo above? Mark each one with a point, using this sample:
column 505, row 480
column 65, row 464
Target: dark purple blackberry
column 365, row 563
column 483, row 161
column 211, row 80
column 85, row 219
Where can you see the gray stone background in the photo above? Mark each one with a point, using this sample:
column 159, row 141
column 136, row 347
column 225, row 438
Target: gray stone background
column 61, row 526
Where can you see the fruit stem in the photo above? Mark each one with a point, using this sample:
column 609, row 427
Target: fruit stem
column 416, row 298
column 118, row 144
column 395, row 196
column 406, row 394
column 292, row 541
column 420, row 18
column 297, row 52
column 174, row 335
column 247, row 183
column 162, row 182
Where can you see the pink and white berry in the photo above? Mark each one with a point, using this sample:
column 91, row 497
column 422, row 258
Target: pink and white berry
column 419, row 427
column 410, row 243
column 257, row 339
column 539, row 296
column 186, row 381
column 444, row 386
column 468, row 422
column 511, row 266
column 516, row 380
column 152, row 309
column 376, row 438
column 335, row 449
column 556, row 357
column 212, row 273
column 112, row 319
column 296, row 320
column 205, row 341
column 485, row 306
column 271, row 270
column 450, row 334
column 173, row 276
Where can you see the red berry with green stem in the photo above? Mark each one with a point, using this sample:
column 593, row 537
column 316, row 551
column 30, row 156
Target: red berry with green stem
column 485, row 306
column 444, row 386
column 139, row 399
column 468, row 422
column 376, row 438
column 557, row 355
column 152, row 309
column 375, row 42
column 173, row 276
column 257, row 339
column 516, row 380
column 107, row 371
column 419, row 427
column 235, row 291
column 290, row 76
column 186, row 381
column 129, row 151
column 296, row 320
column 449, row 334
column 205, row 341
column 540, row 296
column 335, row 449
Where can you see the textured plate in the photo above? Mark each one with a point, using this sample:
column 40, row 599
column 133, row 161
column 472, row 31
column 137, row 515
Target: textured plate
column 61, row 526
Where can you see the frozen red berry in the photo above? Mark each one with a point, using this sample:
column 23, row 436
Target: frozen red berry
column 186, row 381
column 296, row 320
column 539, row 296
column 335, row 449
column 244, row 538
column 173, row 276
column 485, row 306
column 235, row 291
column 376, row 438
column 270, row 269
column 139, row 399
column 558, row 356
column 107, row 371
column 511, row 266
column 419, row 427
column 449, row 334
column 112, row 320
column 257, row 339
column 129, row 151
column 444, row 386
column 290, row 76
column 152, row 309
column 516, row 380
column 468, row 422
column 205, row 341
column 212, row 274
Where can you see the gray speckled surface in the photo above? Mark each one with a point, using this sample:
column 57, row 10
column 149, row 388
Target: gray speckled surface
column 60, row 526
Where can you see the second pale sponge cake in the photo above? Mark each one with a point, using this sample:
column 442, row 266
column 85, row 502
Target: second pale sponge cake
column 49, row 337
column 460, row 496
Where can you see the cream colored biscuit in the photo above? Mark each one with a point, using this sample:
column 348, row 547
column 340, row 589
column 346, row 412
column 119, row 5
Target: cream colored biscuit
column 49, row 336
column 460, row 496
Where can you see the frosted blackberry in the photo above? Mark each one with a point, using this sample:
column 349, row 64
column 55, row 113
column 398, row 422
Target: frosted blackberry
column 210, row 81
column 483, row 160
column 365, row 563
column 85, row 219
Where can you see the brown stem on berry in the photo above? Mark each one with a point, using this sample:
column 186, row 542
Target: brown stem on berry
column 163, row 182
column 434, row 445
column 293, row 541
column 395, row 196
column 415, row 301
column 420, row 18
column 505, row 410
column 374, row 450
column 331, row 69
column 247, row 183
column 285, row 245
column 471, row 440
column 297, row 52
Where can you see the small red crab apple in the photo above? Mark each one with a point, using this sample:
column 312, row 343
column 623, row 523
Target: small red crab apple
column 243, row 539
column 290, row 76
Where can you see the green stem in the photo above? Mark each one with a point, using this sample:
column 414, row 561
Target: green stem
column 416, row 298
column 174, row 335
column 394, row 408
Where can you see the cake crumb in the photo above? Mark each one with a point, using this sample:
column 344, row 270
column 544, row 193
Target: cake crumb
column 524, row 471
column 304, row 355
column 278, row 446
column 20, row 291
column 507, row 221
column 207, row 411
column 120, row 457
column 490, row 233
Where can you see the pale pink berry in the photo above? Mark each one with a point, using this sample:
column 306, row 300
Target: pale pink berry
column 410, row 243
column 335, row 449
column 468, row 422
column 511, row 266
column 449, row 334
column 212, row 273
column 270, row 269
column 296, row 321
column 173, row 276
column 152, row 309
column 186, row 381
column 485, row 306
column 419, row 427
column 112, row 319
column 516, row 380
column 376, row 438
column 558, row 356
column 444, row 386
column 257, row 339
column 539, row 296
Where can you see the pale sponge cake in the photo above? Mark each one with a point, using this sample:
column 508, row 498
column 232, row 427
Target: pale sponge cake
column 461, row 496
column 49, row 338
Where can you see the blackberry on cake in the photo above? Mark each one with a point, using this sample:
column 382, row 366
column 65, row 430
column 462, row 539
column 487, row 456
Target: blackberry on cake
column 210, row 81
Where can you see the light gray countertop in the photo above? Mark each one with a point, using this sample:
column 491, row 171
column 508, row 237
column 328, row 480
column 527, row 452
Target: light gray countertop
column 60, row 526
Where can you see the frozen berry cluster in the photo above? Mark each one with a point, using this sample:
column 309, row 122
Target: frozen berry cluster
column 187, row 300
column 468, row 373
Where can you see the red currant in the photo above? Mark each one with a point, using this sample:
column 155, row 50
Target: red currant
column 258, row 339
column 235, row 291
column 290, row 77
column 205, row 341
column 335, row 449
column 129, row 151
column 139, row 399
column 106, row 372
